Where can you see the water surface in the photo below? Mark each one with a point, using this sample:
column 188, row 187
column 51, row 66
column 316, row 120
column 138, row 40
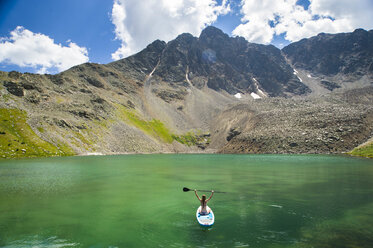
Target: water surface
column 137, row 201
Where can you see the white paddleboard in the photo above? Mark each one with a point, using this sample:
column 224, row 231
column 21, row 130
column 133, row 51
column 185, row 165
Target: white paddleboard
column 205, row 220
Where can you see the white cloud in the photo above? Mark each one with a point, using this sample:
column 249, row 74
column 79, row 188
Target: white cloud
column 27, row 49
column 138, row 23
column 255, row 31
column 263, row 19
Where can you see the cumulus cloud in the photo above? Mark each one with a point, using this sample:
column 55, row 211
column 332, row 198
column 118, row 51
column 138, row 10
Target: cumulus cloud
column 27, row 49
column 263, row 19
column 138, row 23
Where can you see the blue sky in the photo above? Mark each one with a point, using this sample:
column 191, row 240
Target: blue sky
column 48, row 36
column 84, row 22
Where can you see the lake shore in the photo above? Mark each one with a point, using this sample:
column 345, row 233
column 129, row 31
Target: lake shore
column 363, row 151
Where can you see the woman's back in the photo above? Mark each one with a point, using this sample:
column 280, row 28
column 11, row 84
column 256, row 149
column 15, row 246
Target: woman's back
column 204, row 208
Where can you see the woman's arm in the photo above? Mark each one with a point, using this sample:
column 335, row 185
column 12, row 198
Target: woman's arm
column 212, row 193
column 195, row 191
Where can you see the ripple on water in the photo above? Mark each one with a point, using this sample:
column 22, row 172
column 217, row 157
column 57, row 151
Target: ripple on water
column 159, row 222
column 240, row 244
column 275, row 206
column 274, row 236
column 36, row 241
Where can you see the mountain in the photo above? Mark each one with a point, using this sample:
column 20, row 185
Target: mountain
column 330, row 54
column 229, row 64
column 342, row 60
column 182, row 96
column 220, row 62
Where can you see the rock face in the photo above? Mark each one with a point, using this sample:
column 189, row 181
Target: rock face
column 230, row 64
column 315, row 96
column 330, row 54
column 14, row 88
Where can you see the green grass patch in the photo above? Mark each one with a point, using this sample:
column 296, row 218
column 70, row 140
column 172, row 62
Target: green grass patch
column 365, row 151
column 41, row 129
column 6, row 97
column 85, row 142
column 192, row 138
column 83, row 138
column 153, row 128
column 158, row 130
column 17, row 139
column 189, row 139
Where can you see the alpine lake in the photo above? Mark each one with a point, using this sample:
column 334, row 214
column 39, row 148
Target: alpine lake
column 137, row 201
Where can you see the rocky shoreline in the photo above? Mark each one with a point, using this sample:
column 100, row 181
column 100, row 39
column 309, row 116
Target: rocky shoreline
column 322, row 125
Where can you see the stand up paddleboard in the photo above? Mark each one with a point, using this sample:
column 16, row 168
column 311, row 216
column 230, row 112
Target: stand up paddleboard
column 205, row 220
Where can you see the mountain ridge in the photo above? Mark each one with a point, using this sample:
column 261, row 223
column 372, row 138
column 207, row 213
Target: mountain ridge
column 182, row 96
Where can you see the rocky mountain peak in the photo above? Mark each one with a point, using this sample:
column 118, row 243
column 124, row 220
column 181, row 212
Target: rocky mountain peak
column 360, row 31
column 229, row 64
column 157, row 45
column 211, row 36
column 331, row 54
column 211, row 31
column 184, row 37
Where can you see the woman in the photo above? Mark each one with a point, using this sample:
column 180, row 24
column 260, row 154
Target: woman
column 204, row 208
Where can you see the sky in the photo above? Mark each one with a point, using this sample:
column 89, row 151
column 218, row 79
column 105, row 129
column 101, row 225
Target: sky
column 50, row 36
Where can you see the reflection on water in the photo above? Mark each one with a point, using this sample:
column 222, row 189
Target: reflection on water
column 137, row 201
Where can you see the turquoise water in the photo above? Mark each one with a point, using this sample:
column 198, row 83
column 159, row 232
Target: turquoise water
column 137, row 201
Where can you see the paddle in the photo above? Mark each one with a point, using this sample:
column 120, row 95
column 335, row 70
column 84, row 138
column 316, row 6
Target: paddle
column 185, row 189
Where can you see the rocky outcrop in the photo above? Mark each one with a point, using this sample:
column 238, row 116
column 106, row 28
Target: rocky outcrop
column 330, row 85
column 141, row 64
column 330, row 54
column 14, row 88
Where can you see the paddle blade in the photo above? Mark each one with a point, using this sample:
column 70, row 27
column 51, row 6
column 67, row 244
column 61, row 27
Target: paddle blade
column 185, row 189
